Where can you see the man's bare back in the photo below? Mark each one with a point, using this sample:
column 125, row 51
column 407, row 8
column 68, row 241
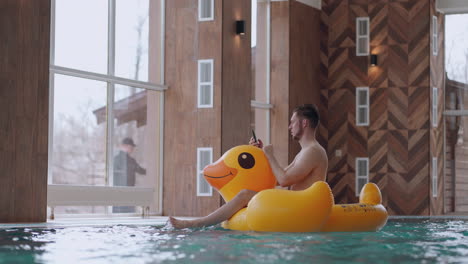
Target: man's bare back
column 317, row 155
column 309, row 166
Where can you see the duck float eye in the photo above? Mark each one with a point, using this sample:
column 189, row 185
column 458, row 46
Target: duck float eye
column 246, row 160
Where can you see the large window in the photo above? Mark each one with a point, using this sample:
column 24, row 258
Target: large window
column 106, row 117
column 455, row 177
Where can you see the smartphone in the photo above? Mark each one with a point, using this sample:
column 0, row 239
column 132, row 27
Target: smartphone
column 254, row 136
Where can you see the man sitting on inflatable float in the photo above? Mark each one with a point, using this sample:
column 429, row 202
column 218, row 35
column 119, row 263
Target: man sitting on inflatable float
column 245, row 176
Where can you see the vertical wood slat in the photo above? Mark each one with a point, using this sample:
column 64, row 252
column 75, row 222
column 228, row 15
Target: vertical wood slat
column 236, row 75
column 280, row 79
column 304, row 63
column 437, row 75
column 24, row 92
column 295, row 72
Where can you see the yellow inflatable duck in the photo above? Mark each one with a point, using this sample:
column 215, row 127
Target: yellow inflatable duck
column 277, row 210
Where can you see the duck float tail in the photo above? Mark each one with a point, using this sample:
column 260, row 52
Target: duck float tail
column 368, row 215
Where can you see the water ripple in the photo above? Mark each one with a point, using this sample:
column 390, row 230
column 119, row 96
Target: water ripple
column 401, row 241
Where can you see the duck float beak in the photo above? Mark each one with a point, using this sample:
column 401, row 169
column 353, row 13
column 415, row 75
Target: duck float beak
column 219, row 174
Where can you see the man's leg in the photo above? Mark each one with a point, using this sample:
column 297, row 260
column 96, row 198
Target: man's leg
column 221, row 214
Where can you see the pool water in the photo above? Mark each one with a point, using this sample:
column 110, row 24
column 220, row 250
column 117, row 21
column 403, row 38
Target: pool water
column 400, row 241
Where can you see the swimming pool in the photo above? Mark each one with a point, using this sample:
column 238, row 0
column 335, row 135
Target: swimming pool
column 400, row 241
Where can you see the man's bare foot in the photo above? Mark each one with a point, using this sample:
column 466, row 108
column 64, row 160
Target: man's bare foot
column 179, row 223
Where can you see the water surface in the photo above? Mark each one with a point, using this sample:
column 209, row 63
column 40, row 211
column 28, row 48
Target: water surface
column 400, row 241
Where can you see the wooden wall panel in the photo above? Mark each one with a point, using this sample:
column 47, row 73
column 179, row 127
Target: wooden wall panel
column 296, row 72
column 236, row 76
column 340, row 103
column 180, row 28
column 8, row 26
column 186, row 126
column 322, row 133
column 280, row 80
column 304, row 61
column 397, row 141
column 24, row 93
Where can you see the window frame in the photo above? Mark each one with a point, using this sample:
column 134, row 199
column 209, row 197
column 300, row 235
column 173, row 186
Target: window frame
column 435, row 37
column 357, row 177
column 209, row 18
column 200, row 83
column 362, row 106
column 111, row 79
column 435, row 106
column 434, row 177
column 359, row 36
column 200, row 171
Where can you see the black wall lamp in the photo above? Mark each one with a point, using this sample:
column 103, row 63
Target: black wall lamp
column 240, row 27
column 373, row 59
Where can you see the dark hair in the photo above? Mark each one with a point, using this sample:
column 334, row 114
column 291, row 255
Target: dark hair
column 309, row 112
column 128, row 141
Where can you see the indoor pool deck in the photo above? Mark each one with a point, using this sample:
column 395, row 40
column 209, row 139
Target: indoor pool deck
column 74, row 222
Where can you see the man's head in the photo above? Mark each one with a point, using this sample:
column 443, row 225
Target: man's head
column 128, row 145
column 304, row 117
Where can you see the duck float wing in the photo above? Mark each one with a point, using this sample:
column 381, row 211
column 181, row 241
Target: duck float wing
column 279, row 210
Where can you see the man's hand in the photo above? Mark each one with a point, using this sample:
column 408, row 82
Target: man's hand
column 258, row 144
column 268, row 149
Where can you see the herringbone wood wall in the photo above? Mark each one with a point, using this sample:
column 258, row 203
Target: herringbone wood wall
column 397, row 141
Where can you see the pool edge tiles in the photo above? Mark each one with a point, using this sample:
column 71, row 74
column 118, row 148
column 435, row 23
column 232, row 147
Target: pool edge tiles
column 395, row 217
column 156, row 221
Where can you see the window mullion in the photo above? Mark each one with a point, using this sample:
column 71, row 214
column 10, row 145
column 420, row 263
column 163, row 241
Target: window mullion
column 51, row 92
column 52, row 32
column 110, row 133
column 111, row 39
column 106, row 78
column 110, row 92
column 268, row 63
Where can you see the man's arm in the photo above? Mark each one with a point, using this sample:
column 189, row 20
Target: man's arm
column 302, row 165
column 140, row 169
column 137, row 168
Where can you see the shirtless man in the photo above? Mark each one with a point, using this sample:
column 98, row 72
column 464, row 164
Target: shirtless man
column 309, row 165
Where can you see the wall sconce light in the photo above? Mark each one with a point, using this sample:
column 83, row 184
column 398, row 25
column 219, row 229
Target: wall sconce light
column 373, row 59
column 240, row 27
